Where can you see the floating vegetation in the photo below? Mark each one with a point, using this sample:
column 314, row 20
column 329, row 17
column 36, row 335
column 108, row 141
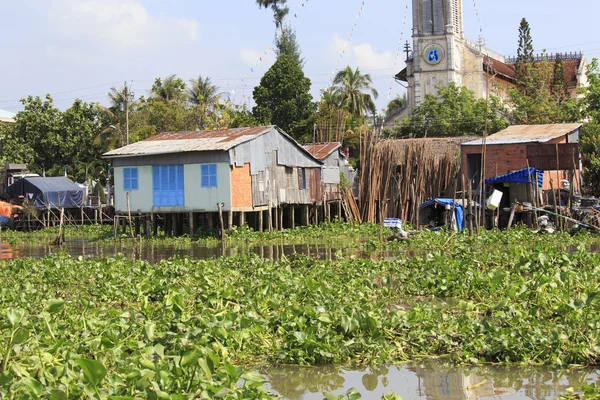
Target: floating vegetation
column 188, row 327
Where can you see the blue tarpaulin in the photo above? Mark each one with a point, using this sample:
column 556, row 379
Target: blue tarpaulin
column 45, row 193
column 458, row 212
column 521, row 176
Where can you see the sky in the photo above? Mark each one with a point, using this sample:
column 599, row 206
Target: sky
column 80, row 48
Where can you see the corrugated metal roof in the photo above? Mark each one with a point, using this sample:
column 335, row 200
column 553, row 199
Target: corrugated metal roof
column 322, row 150
column 193, row 141
column 528, row 134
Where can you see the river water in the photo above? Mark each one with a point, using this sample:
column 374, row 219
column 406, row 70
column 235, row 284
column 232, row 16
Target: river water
column 431, row 380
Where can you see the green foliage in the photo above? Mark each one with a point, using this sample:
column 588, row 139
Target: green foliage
column 590, row 392
column 590, row 138
column 169, row 90
column 396, row 103
column 279, row 8
column 283, row 97
column 354, row 92
column 49, row 140
column 541, row 95
column 454, row 112
column 287, row 43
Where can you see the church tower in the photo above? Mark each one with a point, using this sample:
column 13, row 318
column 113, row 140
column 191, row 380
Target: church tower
column 438, row 47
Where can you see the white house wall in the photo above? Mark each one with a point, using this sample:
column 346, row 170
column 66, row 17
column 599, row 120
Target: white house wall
column 197, row 199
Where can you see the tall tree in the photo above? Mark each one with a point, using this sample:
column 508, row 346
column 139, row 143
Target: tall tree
column 279, row 8
column 396, row 103
column 287, row 43
column 559, row 87
column 283, row 97
column 590, row 140
column 454, row 112
column 169, row 90
column 204, row 95
column 525, row 60
column 355, row 91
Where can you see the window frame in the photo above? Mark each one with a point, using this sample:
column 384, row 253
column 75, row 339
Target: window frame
column 209, row 172
column 168, row 185
column 128, row 181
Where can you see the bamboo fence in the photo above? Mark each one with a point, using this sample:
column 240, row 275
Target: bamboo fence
column 395, row 180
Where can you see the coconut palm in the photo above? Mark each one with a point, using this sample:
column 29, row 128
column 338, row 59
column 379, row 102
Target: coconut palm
column 168, row 90
column 397, row 103
column 205, row 96
column 355, row 91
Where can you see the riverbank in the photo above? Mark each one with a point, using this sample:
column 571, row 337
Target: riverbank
column 525, row 304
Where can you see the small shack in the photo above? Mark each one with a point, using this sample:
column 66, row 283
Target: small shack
column 439, row 212
column 47, row 193
column 260, row 176
column 552, row 148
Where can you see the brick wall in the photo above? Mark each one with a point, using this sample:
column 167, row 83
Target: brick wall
column 502, row 159
column 241, row 187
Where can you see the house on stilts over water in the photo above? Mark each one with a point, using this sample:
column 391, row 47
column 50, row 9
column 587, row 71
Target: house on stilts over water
column 258, row 176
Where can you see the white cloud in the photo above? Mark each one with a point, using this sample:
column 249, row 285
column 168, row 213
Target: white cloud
column 121, row 24
column 363, row 55
column 253, row 58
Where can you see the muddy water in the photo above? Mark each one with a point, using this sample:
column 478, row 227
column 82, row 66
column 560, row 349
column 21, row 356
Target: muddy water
column 432, row 381
column 154, row 252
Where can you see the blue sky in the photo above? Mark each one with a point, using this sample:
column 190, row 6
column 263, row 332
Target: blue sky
column 80, row 48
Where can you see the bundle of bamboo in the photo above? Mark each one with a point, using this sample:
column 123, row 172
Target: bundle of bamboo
column 395, row 180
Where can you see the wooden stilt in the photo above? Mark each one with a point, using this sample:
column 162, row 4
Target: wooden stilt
column 222, row 226
column 242, row 218
column 292, row 221
column 260, row 221
column 191, row 223
column 230, row 219
column 270, row 219
column 147, row 226
column 280, row 218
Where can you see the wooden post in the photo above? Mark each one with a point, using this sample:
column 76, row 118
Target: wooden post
column 270, row 219
column 138, row 225
column 230, row 219
column 221, row 221
column 471, row 213
column 328, row 211
column 191, row 223
column 147, row 225
column 210, row 221
column 115, row 225
column 562, row 222
column 306, row 215
column 280, row 214
column 260, row 220
column 154, row 224
column 512, row 216
column 558, row 221
column 242, row 218
column 129, row 216
column 339, row 210
column 292, row 212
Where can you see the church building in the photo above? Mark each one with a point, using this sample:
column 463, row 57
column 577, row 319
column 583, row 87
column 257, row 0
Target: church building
column 441, row 54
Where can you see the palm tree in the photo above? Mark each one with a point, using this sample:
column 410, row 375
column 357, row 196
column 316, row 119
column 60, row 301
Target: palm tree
column 205, row 96
column 330, row 98
column 168, row 90
column 398, row 102
column 350, row 86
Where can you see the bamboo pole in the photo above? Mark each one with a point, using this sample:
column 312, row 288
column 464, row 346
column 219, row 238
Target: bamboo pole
column 222, row 225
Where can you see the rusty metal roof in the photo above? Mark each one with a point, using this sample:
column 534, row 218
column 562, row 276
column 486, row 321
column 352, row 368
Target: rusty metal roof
column 192, row 141
column 528, row 134
column 322, row 150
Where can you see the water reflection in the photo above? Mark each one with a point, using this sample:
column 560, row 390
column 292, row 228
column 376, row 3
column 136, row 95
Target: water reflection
column 156, row 251
column 433, row 381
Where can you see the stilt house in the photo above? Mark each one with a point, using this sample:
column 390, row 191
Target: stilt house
column 248, row 171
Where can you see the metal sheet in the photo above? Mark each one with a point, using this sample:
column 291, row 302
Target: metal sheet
column 543, row 156
column 528, row 134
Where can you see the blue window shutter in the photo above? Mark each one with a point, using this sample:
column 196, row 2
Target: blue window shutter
column 168, row 188
column 213, row 174
column 204, row 178
column 134, row 179
column 208, row 175
column 126, row 179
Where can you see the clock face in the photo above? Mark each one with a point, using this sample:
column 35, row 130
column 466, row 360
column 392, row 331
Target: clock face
column 433, row 54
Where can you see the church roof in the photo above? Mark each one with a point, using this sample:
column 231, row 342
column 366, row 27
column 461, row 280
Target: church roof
column 506, row 71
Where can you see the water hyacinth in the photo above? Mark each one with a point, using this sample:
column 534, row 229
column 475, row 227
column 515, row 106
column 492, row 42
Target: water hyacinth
column 187, row 328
